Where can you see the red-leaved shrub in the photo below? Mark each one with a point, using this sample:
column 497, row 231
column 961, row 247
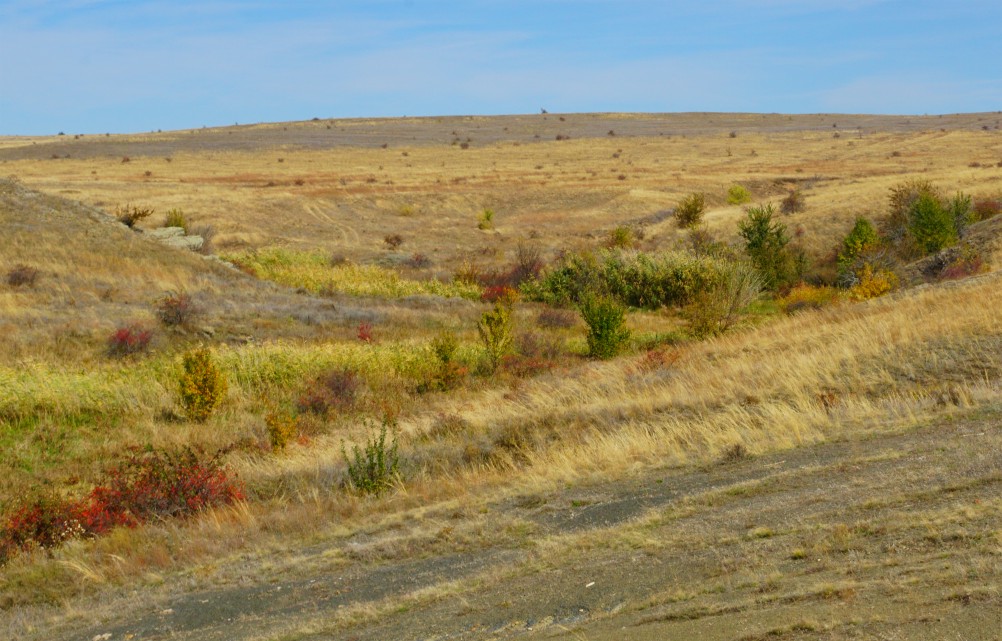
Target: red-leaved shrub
column 132, row 339
column 149, row 485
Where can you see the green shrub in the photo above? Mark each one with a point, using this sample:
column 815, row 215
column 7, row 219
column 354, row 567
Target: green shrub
column 766, row 243
column 738, row 195
column 449, row 372
column 621, row 237
column 175, row 218
column 374, row 468
column 689, row 211
column 637, row 279
column 201, row 386
column 931, row 224
column 605, row 318
column 496, row 332
column 486, row 219
column 717, row 309
column 901, row 199
column 862, row 239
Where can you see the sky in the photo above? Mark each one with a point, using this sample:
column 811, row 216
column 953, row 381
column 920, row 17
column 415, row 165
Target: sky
column 96, row 66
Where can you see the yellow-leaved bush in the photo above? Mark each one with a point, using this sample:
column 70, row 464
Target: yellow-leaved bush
column 202, row 386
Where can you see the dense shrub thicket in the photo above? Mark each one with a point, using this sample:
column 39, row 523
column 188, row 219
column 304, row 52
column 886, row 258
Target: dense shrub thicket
column 637, row 279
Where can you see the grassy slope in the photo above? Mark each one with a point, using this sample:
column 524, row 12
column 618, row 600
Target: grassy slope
column 900, row 363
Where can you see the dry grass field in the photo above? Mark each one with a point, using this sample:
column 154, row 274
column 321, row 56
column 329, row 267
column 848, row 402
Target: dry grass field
column 825, row 474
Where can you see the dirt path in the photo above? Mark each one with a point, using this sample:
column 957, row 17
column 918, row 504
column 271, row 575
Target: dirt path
column 866, row 537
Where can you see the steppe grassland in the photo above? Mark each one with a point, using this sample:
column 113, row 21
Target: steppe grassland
column 790, row 382
column 564, row 193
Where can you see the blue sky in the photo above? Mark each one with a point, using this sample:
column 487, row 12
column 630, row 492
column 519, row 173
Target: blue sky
column 95, row 66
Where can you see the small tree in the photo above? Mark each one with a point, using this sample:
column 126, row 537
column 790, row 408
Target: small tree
column 202, row 386
column 931, row 224
column 863, row 238
column 689, row 212
column 605, row 318
column 766, row 245
column 496, row 332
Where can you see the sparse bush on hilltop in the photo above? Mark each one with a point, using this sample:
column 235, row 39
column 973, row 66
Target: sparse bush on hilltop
column 150, row 484
column 201, row 386
column 282, row 428
column 449, row 372
column 132, row 214
column 689, row 211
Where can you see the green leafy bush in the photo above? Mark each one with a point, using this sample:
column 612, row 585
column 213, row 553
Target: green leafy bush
column 689, row 211
column 766, row 243
column 496, row 332
column 738, row 195
column 637, row 279
column 621, row 237
column 374, row 468
column 449, row 371
column 931, row 224
column 605, row 318
column 862, row 239
column 201, row 386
